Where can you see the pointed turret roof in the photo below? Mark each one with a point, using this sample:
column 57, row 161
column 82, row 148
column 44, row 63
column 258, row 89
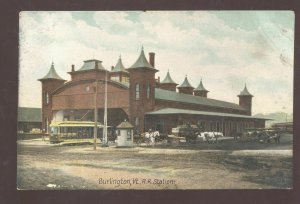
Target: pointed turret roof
column 91, row 64
column 141, row 62
column 119, row 66
column 201, row 87
column 245, row 92
column 52, row 74
column 168, row 79
column 185, row 83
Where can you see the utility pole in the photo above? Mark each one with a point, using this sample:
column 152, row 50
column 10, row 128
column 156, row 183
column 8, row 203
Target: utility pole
column 286, row 121
column 96, row 115
column 104, row 140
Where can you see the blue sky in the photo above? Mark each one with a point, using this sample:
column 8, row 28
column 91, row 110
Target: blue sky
column 225, row 48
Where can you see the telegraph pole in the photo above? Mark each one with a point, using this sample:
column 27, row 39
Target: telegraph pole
column 104, row 140
column 286, row 115
column 96, row 115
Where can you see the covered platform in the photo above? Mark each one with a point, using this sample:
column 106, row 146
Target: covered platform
column 167, row 118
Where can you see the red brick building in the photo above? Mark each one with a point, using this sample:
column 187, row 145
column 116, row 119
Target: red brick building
column 135, row 94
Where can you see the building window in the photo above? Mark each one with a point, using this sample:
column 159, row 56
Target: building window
column 47, row 98
column 148, row 90
column 115, row 78
column 128, row 134
column 125, row 79
column 137, row 91
column 87, row 88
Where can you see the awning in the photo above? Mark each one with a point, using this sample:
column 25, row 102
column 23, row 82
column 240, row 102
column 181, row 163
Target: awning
column 76, row 124
column 170, row 111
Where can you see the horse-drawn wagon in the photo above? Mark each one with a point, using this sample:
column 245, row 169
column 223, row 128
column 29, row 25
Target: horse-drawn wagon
column 184, row 133
column 263, row 135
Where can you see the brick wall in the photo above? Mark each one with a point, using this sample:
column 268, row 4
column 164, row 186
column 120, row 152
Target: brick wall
column 81, row 96
column 246, row 102
column 170, row 87
column 48, row 86
column 88, row 74
column 200, row 93
column 185, row 90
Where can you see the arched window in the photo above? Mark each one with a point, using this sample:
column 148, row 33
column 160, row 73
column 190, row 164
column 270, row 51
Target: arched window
column 47, row 98
column 137, row 91
column 148, row 90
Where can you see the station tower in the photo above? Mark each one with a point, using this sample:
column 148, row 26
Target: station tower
column 50, row 82
column 141, row 90
column 245, row 100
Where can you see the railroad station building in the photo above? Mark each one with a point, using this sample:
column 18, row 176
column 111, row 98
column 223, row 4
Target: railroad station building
column 136, row 94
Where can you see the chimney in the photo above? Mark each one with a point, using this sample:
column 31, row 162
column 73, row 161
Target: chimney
column 152, row 58
column 158, row 79
column 73, row 68
column 112, row 67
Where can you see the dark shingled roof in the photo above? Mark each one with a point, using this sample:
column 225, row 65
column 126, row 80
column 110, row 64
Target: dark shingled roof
column 142, row 62
column 91, row 64
column 201, row 87
column 29, row 114
column 125, row 125
column 52, row 74
column 168, row 79
column 168, row 111
column 185, row 83
column 166, row 95
column 119, row 66
column 245, row 92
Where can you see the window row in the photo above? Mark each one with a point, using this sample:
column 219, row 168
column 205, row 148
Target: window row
column 138, row 91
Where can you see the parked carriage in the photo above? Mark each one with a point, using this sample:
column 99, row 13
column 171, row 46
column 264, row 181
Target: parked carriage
column 263, row 135
column 188, row 133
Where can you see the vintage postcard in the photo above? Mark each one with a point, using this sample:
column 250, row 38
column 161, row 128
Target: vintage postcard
column 155, row 100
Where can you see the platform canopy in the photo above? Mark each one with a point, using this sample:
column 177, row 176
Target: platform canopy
column 75, row 124
column 174, row 111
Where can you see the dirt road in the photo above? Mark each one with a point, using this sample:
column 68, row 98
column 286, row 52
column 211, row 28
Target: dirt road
column 42, row 166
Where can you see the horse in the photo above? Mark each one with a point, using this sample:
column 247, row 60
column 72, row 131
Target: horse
column 210, row 137
column 151, row 136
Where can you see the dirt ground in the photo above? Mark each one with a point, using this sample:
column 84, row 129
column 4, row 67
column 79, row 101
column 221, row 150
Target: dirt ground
column 226, row 165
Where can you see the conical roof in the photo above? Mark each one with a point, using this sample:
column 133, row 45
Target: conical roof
column 245, row 92
column 168, row 79
column 119, row 66
column 91, row 64
column 185, row 83
column 125, row 125
column 141, row 62
column 201, row 87
column 52, row 74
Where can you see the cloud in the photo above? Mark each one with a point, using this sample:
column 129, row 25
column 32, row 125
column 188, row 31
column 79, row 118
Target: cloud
column 200, row 44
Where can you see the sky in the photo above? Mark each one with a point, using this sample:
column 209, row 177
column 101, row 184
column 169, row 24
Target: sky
column 226, row 49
